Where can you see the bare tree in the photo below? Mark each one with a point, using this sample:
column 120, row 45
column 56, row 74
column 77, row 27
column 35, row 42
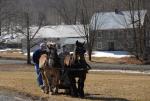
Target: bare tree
column 67, row 10
column 80, row 12
column 137, row 15
column 0, row 16
column 91, row 21
column 7, row 16
column 26, row 26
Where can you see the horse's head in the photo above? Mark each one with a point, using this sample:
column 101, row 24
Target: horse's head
column 51, row 44
column 52, row 53
column 80, row 49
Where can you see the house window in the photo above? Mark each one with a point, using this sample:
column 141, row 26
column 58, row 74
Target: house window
column 99, row 35
column 148, row 43
column 147, row 34
column 111, row 46
column 99, row 45
column 111, row 35
column 130, row 44
column 120, row 35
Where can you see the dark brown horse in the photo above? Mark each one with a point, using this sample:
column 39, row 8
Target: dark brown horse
column 77, row 67
column 49, row 64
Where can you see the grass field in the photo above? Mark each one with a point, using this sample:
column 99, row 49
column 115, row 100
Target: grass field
column 15, row 54
column 98, row 86
column 12, row 54
column 101, row 86
column 124, row 60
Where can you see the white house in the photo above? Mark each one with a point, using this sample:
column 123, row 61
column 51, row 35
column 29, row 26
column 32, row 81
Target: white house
column 61, row 34
column 113, row 29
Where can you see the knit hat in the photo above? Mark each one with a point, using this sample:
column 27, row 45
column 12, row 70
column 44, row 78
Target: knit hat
column 42, row 45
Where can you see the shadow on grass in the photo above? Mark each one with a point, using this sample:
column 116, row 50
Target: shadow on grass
column 11, row 92
column 97, row 97
column 94, row 61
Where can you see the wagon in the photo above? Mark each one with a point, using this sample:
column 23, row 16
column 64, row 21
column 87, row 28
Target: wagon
column 65, row 80
column 61, row 72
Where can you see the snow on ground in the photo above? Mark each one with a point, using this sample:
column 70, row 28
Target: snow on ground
column 122, row 71
column 30, row 53
column 9, row 49
column 113, row 54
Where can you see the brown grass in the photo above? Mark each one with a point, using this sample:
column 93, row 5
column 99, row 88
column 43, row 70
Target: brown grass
column 100, row 86
column 125, row 60
column 12, row 54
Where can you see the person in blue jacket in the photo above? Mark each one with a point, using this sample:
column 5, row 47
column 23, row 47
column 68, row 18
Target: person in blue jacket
column 36, row 56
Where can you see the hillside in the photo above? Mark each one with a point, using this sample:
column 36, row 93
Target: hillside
column 48, row 7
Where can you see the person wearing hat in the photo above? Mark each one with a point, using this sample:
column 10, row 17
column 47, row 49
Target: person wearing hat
column 36, row 56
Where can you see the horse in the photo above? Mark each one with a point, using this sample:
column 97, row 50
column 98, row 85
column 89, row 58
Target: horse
column 77, row 68
column 49, row 64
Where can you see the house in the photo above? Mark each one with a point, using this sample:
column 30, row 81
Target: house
column 63, row 35
column 114, row 29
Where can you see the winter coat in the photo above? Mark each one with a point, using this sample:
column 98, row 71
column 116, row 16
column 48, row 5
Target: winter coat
column 37, row 54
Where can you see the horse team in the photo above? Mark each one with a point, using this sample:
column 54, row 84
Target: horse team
column 57, row 75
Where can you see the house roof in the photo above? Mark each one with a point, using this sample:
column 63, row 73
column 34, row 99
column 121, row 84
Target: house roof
column 65, row 41
column 113, row 20
column 60, row 31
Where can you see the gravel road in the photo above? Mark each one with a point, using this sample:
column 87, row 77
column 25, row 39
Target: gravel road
column 13, row 96
column 99, row 66
column 102, row 66
column 10, row 61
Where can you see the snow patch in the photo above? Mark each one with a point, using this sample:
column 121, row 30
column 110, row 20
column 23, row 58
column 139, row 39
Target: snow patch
column 122, row 71
column 114, row 54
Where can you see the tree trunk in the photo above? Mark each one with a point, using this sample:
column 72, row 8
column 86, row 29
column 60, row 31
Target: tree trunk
column 28, row 50
column 89, row 52
column 90, row 55
column 0, row 28
column 28, row 41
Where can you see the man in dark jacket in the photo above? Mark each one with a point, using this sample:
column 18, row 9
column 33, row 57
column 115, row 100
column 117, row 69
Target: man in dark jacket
column 36, row 56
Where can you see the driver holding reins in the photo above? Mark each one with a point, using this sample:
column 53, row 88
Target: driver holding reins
column 36, row 56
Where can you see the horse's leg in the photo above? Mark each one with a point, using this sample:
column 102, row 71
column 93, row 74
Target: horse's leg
column 66, row 82
column 53, row 81
column 57, row 80
column 46, row 77
column 54, row 84
column 81, row 85
column 45, row 82
column 74, row 90
column 49, row 75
